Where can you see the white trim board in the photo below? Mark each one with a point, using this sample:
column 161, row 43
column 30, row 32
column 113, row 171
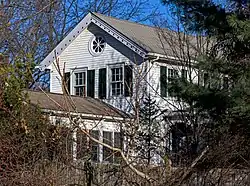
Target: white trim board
column 89, row 18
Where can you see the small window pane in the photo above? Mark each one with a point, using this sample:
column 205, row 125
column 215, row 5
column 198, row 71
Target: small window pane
column 172, row 74
column 80, row 91
column 82, row 145
column 117, row 77
column 107, row 153
column 94, row 146
column 113, row 74
column 117, row 144
column 117, row 81
column 76, row 80
column 113, row 88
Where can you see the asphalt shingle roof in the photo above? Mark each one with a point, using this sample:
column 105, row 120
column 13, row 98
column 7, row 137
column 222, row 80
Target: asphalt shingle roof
column 152, row 39
column 83, row 105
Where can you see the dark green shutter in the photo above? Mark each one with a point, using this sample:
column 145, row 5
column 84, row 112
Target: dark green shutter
column 128, row 79
column 67, row 82
column 91, row 83
column 102, row 83
column 163, row 81
column 184, row 74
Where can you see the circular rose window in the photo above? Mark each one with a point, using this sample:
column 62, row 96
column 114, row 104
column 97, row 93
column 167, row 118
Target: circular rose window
column 97, row 45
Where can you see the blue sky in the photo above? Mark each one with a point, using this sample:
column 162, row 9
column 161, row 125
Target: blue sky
column 158, row 3
column 161, row 8
column 166, row 12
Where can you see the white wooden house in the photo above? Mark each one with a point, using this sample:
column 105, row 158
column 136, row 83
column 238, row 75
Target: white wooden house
column 116, row 60
column 103, row 56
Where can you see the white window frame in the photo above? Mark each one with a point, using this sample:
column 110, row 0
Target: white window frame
column 121, row 65
column 101, row 148
column 73, row 82
column 112, row 156
column 168, row 78
column 99, row 45
column 92, row 143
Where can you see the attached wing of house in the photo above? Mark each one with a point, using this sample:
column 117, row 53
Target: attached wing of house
column 101, row 120
column 85, row 107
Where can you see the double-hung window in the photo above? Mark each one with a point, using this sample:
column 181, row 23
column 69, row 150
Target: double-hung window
column 95, row 152
column 80, row 83
column 172, row 75
column 121, row 80
column 116, row 82
column 107, row 153
column 167, row 76
column 98, row 153
column 113, row 139
column 83, row 82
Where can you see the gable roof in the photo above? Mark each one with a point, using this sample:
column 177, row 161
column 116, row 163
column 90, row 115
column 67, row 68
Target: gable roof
column 145, row 36
column 74, row 104
column 155, row 40
column 142, row 39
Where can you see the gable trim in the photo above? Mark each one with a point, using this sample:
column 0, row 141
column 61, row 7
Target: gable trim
column 89, row 18
column 117, row 35
column 65, row 43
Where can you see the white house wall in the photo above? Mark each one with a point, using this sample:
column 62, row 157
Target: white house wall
column 88, row 124
column 166, row 103
column 77, row 55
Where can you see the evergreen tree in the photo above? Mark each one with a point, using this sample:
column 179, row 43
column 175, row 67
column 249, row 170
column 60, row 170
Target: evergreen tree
column 149, row 132
column 225, row 98
column 26, row 135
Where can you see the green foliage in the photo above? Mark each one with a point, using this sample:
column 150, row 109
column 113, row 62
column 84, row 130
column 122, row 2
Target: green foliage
column 23, row 128
column 17, row 77
column 149, row 131
column 229, row 29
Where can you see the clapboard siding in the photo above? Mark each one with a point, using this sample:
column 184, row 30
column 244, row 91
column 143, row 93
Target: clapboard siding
column 169, row 103
column 77, row 55
column 55, row 81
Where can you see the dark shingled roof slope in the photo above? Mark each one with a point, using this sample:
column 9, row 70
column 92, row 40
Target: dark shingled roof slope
column 83, row 105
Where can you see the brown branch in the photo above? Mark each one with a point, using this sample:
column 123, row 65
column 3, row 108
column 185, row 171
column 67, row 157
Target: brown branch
column 191, row 168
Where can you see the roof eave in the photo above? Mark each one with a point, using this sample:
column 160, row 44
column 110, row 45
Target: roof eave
column 89, row 18
column 86, row 116
column 161, row 57
column 119, row 36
